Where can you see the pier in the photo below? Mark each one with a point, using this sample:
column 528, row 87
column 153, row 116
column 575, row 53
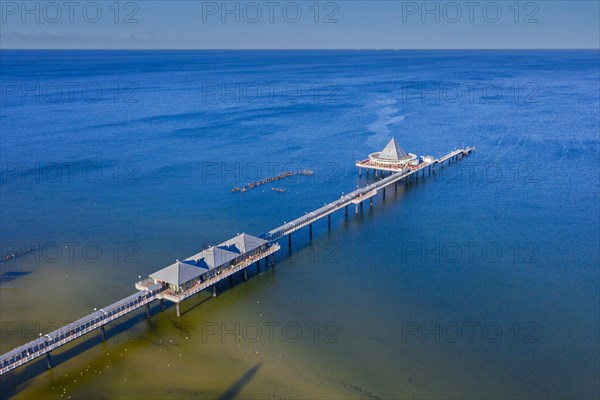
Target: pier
column 53, row 340
column 205, row 269
column 366, row 193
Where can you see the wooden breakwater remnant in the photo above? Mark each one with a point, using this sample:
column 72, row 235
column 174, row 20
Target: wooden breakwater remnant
column 19, row 253
column 283, row 175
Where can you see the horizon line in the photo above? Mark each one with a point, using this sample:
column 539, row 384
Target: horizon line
column 311, row 49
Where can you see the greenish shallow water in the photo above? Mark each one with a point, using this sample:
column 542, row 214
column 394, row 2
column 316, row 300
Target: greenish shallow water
column 479, row 282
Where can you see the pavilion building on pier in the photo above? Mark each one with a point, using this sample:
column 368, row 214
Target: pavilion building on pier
column 393, row 155
column 393, row 158
column 183, row 275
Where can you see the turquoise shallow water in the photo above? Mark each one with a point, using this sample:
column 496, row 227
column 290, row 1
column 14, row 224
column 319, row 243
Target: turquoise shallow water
column 478, row 282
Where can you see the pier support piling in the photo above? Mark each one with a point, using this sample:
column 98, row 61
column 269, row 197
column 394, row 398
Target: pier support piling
column 310, row 231
column 384, row 192
column 147, row 310
column 258, row 266
column 371, row 202
column 246, row 274
column 396, row 186
column 272, row 260
column 346, row 211
column 48, row 360
column 329, row 220
column 162, row 304
column 359, row 171
column 103, row 333
column 214, row 288
column 290, row 240
column 178, row 309
column 356, row 209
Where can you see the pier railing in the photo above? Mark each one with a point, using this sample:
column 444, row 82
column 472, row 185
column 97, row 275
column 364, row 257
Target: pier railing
column 347, row 199
column 342, row 202
column 74, row 330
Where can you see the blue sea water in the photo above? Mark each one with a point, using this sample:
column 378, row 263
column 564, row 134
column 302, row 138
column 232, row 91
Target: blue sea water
column 481, row 281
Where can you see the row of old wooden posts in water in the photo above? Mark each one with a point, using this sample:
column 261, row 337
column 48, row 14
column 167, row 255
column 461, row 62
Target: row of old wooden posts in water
column 283, row 175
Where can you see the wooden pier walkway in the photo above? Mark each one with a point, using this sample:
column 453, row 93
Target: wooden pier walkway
column 53, row 340
column 455, row 153
column 149, row 291
column 359, row 195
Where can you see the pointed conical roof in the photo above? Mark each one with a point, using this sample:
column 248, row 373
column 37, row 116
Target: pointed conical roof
column 393, row 151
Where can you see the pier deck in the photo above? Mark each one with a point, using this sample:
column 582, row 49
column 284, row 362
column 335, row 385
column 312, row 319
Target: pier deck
column 364, row 197
column 74, row 330
column 149, row 291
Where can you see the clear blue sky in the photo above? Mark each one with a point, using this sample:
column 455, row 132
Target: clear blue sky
column 300, row 24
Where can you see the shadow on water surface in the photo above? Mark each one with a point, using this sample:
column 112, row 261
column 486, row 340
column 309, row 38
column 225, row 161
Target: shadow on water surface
column 12, row 275
column 195, row 305
column 237, row 387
